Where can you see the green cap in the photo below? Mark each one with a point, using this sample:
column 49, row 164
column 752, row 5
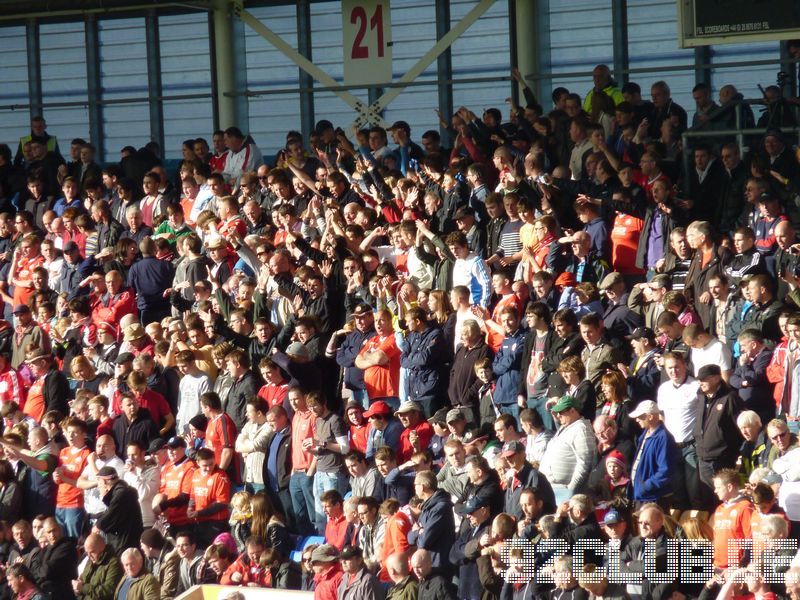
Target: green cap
column 564, row 403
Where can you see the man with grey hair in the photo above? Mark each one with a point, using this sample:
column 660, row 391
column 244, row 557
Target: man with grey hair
column 700, row 235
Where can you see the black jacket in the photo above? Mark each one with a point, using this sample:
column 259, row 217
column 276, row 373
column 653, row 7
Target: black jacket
column 58, row 568
column 242, row 390
column 436, row 587
column 632, row 561
column 464, row 384
column 142, row 430
column 284, row 460
column 56, row 392
column 122, row 521
column 719, row 440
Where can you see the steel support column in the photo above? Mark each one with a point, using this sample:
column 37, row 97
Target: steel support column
column 34, row 67
column 789, row 68
column 225, row 64
column 619, row 28
column 702, row 56
column 532, row 33
column 526, row 27
column 154, row 92
column 304, row 46
column 444, row 70
column 94, row 87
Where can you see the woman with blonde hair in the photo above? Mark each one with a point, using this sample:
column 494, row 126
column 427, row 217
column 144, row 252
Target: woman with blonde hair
column 441, row 311
column 84, row 373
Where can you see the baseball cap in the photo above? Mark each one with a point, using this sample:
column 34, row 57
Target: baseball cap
column 21, row 309
column 70, row 246
column 473, row 504
column 350, row 552
column 564, row 403
column 439, row 417
column 107, row 473
column 408, row 406
column 645, row 407
column 454, row 414
column 362, row 309
column 612, row 518
column 378, row 408
column 176, row 441
column 707, row 371
column 156, row 445
column 108, row 327
column 512, row 447
column 324, row 553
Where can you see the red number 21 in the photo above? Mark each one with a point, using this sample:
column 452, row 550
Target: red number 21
column 359, row 15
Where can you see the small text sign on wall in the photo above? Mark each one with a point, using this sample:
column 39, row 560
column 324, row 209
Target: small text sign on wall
column 367, row 42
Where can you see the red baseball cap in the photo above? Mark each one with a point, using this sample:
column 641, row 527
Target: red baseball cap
column 378, row 408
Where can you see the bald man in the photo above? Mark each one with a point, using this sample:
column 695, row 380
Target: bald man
column 432, row 585
column 405, row 585
column 104, row 455
column 102, row 571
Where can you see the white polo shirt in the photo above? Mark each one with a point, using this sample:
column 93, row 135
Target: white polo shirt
column 714, row 352
column 682, row 408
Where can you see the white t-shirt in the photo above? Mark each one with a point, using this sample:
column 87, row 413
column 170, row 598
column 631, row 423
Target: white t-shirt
column 91, row 498
column 191, row 387
column 682, row 408
column 713, row 353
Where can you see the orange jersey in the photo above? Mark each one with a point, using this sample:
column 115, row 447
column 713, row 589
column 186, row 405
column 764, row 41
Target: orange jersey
column 72, row 461
column 493, row 338
column 220, row 434
column 210, row 490
column 395, row 540
column 34, row 405
column 302, row 429
column 23, row 270
column 382, row 381
column 176, row 480
column 731, row 522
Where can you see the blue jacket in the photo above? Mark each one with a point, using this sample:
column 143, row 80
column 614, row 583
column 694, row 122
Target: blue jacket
column 424, row 356
column 346, row 357
column 149, row 278
column 506, row 366
column 438, row 530
column 656, row 462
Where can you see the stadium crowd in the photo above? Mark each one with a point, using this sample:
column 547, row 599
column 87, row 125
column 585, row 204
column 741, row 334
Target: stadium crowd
column 378, row 369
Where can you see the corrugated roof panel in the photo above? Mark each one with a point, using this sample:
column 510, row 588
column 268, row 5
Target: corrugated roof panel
column 63, row 63
column 271, row 116
column 123, row 69
column 185, row 69
column 14, row 122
